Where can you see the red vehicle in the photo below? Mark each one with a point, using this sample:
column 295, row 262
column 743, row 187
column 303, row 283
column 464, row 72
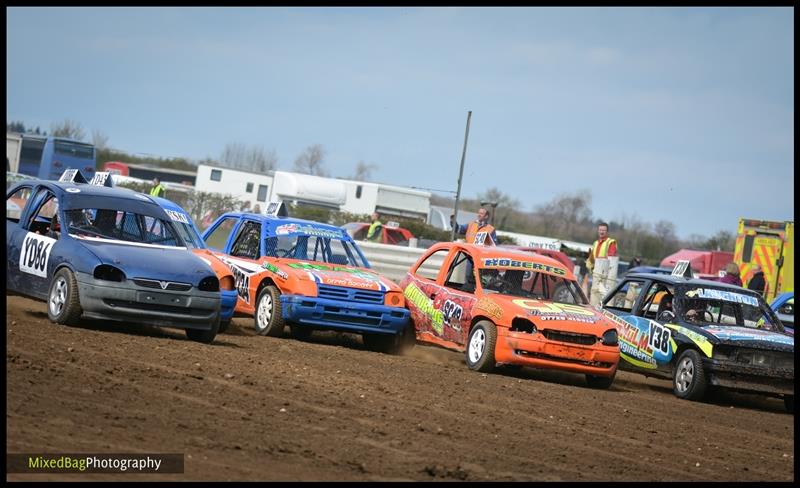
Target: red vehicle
column 705, row 264
column 390, row 234
column 503, row 306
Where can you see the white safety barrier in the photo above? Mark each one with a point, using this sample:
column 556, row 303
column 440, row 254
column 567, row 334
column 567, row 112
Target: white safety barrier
column 394, row 261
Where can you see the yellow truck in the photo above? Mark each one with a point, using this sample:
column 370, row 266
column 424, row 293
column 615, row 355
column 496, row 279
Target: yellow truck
column 769, row 244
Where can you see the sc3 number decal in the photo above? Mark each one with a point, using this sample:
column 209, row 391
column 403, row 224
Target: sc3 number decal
column 35, row 254
column 242, row 281
column 452, row 314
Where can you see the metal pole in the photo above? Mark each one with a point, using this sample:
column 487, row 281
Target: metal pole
column 460, row 175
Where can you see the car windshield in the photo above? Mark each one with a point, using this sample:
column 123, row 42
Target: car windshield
column 189, row 235
column 315, row 248
column 706, row 306
column 531, row 284
column 120, row 225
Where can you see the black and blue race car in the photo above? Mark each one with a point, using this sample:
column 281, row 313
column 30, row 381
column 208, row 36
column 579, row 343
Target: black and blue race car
column 701, row 334
column 107, row 253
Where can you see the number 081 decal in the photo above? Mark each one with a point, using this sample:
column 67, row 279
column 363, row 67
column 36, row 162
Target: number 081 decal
column 35, row 254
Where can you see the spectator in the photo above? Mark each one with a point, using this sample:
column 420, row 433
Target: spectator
column 257, row 209
column 158, row 189
column 375, row 231
column 757, row 282
column 637, row 261
column 603, row 247
column 731, row 274
column 479, row 231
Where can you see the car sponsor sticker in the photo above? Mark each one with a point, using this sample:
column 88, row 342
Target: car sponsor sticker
column 276, row 270
column 309, row 230
column 35, row 254
column 425, row 306
column 557, row 311
column 728, row 296
column 177, row 216
column 741, row 334
column 515, row 263
column 490, row 307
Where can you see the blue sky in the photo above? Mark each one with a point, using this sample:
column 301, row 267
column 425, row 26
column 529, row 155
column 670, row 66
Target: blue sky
column 675, row 114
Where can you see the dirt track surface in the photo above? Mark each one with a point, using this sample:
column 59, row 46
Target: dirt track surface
column 258, row 408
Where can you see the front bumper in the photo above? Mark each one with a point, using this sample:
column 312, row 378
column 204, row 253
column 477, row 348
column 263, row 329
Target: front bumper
column 343, row 315
column 537, row 351
column 126, row 301
column 736, row 376
column 227, row 304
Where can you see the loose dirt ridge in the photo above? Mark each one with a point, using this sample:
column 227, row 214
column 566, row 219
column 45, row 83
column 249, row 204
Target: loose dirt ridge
column 259, row 408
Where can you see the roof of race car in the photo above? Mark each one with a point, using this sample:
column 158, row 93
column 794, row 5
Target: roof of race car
column 269, row 219
column 489, row 252
column 680, row 280
column 65, row 190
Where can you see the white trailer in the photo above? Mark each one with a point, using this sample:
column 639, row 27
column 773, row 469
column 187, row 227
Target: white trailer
column 243, row 185
column 13, row 147
column 395, row 201
column 305, row 189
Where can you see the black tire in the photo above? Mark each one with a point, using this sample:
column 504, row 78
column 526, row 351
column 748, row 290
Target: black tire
column 384, row 343
column 204, row 336
column 480, row 347
column 688, row 377
column 600, row 382
column 223, row 325
column 63, row 302
column 407, row 339
column 788, row 402
column 268, row 318
column 301, row 332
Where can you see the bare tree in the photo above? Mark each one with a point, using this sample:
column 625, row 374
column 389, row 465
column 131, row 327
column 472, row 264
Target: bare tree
column 364, row 171
column 99, row 139
column 505, row 205
column 238, row 155
column 566, row 211
column 310, row 161
column 69, row 129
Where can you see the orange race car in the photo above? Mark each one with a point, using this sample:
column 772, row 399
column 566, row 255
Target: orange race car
column 503, row 306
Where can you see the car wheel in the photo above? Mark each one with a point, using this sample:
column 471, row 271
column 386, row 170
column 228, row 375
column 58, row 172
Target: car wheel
column 63, row 302
column 223, row 325
column 480, row 347
column 688, row 376
column 204, row 336
column 268, row 316
column 301, row 333
column 380, row 342
column 788, row 402
column 600, row 382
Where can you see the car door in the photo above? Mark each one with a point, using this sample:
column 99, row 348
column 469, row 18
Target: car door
column 16, row 205
column 243, row 252
column 33, row 244
column 420, row 287
column 456, row 297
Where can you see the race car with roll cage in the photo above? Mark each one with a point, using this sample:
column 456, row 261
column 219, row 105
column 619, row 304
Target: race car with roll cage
column 509, row 307
column 307, row 275
column 107, row 253
column 701, row 334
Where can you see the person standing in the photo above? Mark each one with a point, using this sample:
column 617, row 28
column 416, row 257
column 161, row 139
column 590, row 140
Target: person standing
column 603, row 277
column 375, row 231
column 479, row 231
column 757, row 281
column 158, row 189
column 731, row 274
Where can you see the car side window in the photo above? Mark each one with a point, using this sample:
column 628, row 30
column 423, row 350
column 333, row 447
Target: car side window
column 219, row 236
column 625, row 296
column 657, row 300
column 461, row 275
column 429, row 268
column 247, row 244
column 45, row 215
column 15, row 204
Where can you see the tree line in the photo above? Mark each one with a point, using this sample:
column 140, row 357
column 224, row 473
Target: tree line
column 568, row 216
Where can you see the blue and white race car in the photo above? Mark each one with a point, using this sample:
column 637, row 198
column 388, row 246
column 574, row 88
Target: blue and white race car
column 107, row 253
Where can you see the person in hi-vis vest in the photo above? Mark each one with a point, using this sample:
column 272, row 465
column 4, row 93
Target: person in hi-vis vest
column 478, row 231
column 602, row 264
